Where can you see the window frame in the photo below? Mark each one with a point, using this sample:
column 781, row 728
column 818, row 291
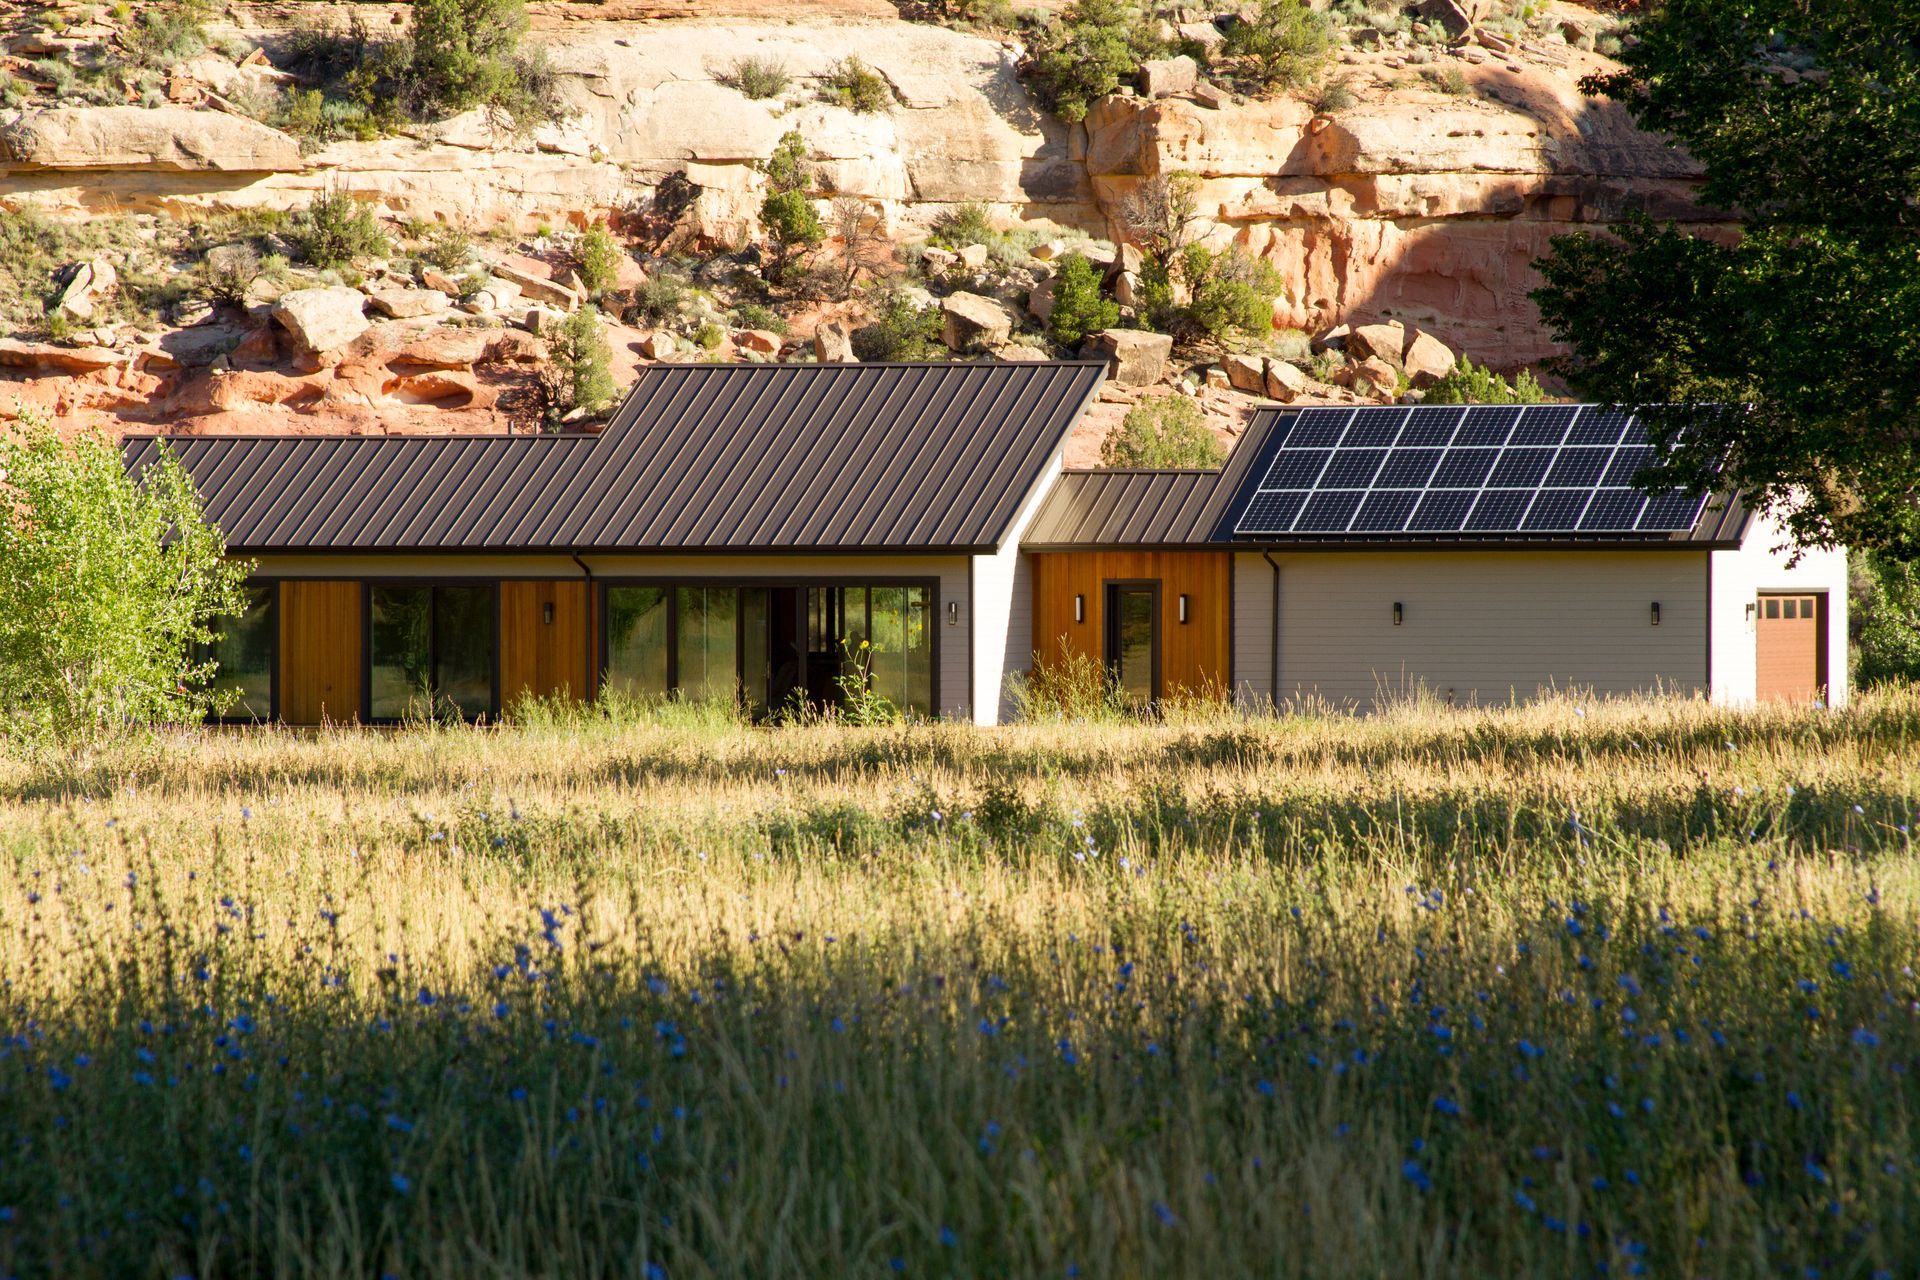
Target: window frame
column 1109, row 623
column 367, row 585
column 796, row 582
column 273, row 658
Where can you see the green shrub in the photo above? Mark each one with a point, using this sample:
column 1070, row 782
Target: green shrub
column 900, row 329
column 1228, row 295
column 336, row 231
column 581, row 374
column 1167, row 432
column 1452, row 81
column 961, row 225
column 165, row 34
column 1078, row 306
column 1467, row 383
column 1094, row 46
column 1334, row 96
column 752, row 315
column 449, row 247
column 598, row 258
column 1883, row 619
column 664, row 298
column 754, row 76
column 856, row 86
column 1283, row 44
column 1070, row 686
column 709, row 336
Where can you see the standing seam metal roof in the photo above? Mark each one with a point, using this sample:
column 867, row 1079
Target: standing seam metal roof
column 896, row 457
column 1173, row 509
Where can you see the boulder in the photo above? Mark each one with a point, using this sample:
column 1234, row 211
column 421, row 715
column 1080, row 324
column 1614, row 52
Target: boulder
column 1204, row 34
column 179, row 138
column 537, row 288
column 1017, row 353
column 1126, row 289
column 1382, row 342
column 89, row 283
column 762, row 341
column 409, row 304
column 1334, row 339
column 322, row 319
column 495, row 295
column 658, row 345
column 1246, row 373
column 1165, row 77
column 969, row 322
column 1450, row 14
column 444, row 349
column 973, row 256
column 1212, row 97
column 1100, row 254
column 1376, row 377
column 1135, row 358
column 937, row 260
column 1050, row 250
column 1284, row 381
column 449, row 285
column 1427, row 360
column 833, row 344
column 1040, row 301
column 1217, row 380
column 46, row 357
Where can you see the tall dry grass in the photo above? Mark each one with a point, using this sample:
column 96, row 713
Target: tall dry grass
column 1532, row 991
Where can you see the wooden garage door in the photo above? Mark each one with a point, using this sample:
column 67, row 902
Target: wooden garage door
column 1791, row 635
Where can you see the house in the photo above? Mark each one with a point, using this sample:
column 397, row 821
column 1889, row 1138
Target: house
column 777, row 532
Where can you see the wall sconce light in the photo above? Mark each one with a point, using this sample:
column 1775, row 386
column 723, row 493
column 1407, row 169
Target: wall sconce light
column 1656, row 613
column 1183, row 608
column 953, row 613
column 1750, row 610
column 1399, row 614
column 1079, row 608
column 546, row 612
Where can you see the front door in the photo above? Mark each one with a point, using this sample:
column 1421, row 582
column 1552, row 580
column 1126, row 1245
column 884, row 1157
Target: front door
column 1790, row 632
column 1133, row 640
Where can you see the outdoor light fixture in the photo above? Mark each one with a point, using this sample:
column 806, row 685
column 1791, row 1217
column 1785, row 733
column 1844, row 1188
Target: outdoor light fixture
column 1398, row 613
column 546, row 612
column 1079, row 608
column 1183, row 607
column 953, row 613
column 1656, row 613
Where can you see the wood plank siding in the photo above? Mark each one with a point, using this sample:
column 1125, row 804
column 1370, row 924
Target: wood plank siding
column 540, row 657
column 319, row 651
column 1195, row 656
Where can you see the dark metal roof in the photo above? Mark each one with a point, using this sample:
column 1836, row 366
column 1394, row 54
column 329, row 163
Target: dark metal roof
column 896, row 457
column 1174, row 509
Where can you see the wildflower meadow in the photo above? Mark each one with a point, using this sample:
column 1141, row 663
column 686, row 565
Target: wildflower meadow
column 1569, row 989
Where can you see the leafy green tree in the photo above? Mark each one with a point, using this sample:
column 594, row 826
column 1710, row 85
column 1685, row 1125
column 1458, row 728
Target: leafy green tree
column 1284, row 42
column 1095, row 45
column 1883, row 615
column 336, row 230
column 1078, row 307
column 786, row 169
column 1167, row 432
column 793, row 226
column 1468, row 383
column 1786, row 363
column 113, row 583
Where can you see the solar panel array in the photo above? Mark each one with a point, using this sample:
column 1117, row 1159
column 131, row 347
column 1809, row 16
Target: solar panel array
column 1463, row 469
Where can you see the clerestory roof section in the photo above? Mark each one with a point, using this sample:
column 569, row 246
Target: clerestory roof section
column 698, row 458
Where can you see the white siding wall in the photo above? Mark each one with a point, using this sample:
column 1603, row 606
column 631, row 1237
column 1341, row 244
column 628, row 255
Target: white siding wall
column 955, row 653
column 1003, row 611
column 1252, row 632
column 1761, row 564
column 1486, row 627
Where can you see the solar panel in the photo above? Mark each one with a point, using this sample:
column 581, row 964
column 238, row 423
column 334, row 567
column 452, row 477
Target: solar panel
column 1542, row 470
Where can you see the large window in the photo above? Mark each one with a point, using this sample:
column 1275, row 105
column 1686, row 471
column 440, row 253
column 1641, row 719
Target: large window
column 243, row 656
column 770, row 643
column 431, row 650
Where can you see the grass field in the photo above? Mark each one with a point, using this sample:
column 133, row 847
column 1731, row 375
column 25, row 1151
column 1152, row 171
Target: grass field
column 1565, row 990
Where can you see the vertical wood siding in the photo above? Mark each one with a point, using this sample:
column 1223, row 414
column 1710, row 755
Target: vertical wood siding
column 319, row 651
column 539, row 657
column 1194, row 657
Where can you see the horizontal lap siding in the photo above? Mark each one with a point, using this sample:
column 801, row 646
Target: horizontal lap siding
column 1489, row 627
column 320, row 637
column 1194, row 657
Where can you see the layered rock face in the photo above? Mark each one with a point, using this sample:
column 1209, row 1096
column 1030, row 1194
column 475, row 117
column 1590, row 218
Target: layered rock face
column 1427, row 208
